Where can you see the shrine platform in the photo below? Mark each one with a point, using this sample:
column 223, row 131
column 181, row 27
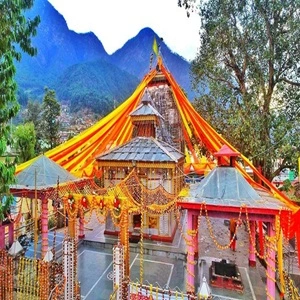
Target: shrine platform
column 164, row 264
column 172, row 258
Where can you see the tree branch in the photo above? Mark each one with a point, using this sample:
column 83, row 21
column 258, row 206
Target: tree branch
column 229, row 84
column 290, row 82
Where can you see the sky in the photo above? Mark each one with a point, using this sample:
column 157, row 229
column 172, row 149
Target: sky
column 114, row 22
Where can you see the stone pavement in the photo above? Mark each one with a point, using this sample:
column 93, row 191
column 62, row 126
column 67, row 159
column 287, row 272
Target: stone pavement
column 164, row 264
column 254, row 279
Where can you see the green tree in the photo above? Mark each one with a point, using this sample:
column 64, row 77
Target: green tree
column 33, row 113
column 50, row 119
column 25, row 140
column 15, row 36
column 249, row 64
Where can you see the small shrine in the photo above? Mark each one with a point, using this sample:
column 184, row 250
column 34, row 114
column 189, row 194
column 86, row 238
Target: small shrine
column 156, row 163
column 225, row 274
column 225, row 193
column 38, row 184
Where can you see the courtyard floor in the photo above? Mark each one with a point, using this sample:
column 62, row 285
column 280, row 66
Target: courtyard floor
column 164, row 264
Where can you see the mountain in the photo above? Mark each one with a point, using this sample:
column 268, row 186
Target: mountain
column 79, row 69
column 134, row 57
column 97, row 85
column 58, row 48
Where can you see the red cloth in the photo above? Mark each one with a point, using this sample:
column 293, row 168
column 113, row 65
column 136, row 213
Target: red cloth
column 232, row 228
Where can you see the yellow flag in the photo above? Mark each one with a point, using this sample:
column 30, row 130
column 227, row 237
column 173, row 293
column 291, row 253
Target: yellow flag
column 155, row 47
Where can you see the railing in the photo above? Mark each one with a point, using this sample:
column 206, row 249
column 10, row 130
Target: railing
column 292, row 291
column 157, row 292
column 113, row 295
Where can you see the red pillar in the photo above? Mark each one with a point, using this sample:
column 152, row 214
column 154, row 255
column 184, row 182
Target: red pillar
column 44, row 224
column 11, row 233
column 271, row 263
column 252, row 257
column 190, row 255
column 261, row 238
column 298, row 244
column 2, row 237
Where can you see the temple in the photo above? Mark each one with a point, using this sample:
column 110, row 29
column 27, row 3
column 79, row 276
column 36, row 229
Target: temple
column 152, row 154
column 131, row 169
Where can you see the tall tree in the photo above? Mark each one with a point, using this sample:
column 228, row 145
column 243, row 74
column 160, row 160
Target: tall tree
column 50, row 124
column 25, row 139
column 249, row 63
column 15, row 36
column 33, row 113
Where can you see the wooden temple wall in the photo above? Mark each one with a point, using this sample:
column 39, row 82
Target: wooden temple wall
column 151, row 177
column 166, row 106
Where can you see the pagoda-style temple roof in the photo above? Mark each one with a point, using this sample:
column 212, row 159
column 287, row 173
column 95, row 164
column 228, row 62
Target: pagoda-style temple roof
column 145, row 108
column 146, row 149
column 225, row 186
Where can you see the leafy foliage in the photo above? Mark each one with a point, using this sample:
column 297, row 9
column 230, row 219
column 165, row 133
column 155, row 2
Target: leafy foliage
column 93, row 85
column 33, row 113
column 50, row 119
column 189, row 5
column 15, row 33
column 25, row 139
column 249, row 63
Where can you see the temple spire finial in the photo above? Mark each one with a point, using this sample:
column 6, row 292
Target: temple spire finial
column 225, row 151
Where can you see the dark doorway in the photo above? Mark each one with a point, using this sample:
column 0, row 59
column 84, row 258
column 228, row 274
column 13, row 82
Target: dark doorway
column 137, row 221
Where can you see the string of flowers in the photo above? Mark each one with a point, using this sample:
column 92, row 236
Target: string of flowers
column 211, row 233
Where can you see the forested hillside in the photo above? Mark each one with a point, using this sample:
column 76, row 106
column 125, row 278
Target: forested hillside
column 90, row 85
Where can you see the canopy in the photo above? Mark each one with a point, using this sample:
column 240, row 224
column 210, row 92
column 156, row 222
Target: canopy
column 42, row 173
column 78, row 154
